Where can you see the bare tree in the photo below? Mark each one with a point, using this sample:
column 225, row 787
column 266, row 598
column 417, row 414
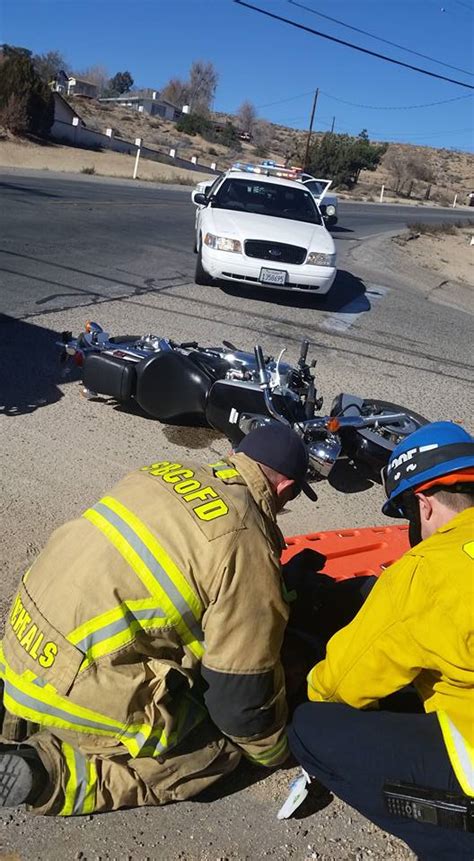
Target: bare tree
column 203, row 78
column 262, row 137
column 247, row 117
column 97, row 75
column 176, row 91
column 407, row 167
column 48, row 65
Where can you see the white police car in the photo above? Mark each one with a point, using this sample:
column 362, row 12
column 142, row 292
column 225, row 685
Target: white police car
column 260, row 225
column 327, row 203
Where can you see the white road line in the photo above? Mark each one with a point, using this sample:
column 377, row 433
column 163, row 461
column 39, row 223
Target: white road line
column 354, row 309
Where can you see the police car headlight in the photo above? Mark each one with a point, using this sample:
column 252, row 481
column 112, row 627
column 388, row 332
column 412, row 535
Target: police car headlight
column 317, row 258
column 223, row 243
column 330, row 210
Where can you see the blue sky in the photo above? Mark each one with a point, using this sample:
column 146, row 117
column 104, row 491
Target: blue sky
column 273, row 65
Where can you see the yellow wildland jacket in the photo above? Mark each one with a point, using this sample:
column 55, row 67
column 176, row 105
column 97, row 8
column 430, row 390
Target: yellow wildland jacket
column 417, row 625
column 160, row 606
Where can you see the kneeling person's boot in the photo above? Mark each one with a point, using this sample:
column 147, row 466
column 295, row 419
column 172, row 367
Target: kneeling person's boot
column 22, row 775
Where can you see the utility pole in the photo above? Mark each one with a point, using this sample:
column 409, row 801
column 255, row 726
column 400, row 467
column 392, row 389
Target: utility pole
column 305, row 163
column 333, row 121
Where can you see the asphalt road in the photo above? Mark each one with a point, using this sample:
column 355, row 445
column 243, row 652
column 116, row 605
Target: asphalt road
column 122, row 254
column 65, row 242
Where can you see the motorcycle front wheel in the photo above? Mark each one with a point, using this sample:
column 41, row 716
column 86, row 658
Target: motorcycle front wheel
column 373, row 446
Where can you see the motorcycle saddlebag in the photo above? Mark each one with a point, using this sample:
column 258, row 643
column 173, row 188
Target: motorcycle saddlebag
column 110, row 375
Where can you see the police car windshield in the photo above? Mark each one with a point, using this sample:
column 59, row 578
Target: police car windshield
column 267, row 198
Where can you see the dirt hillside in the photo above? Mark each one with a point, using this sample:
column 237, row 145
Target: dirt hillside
column 452, row 170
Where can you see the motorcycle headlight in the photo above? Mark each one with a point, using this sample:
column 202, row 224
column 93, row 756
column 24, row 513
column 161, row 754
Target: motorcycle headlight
column 317, row 258
column 330, row 210
column 223, row 243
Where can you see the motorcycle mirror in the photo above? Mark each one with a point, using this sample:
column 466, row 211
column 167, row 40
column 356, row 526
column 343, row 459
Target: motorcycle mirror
column 303, row 353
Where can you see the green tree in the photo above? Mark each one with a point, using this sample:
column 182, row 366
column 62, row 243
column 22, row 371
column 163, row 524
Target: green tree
column 122, row 82
column 26, row 102
column 194, row 124
column 342, row 157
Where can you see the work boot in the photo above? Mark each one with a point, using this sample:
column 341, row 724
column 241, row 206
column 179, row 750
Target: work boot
column 22, row 775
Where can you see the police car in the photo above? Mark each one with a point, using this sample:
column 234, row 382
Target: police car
column 327, row 203
column 259, row 224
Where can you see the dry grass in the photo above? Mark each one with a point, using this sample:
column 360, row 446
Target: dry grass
column 439, row 229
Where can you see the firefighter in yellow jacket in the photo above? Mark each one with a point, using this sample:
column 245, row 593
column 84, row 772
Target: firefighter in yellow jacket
column 143, row 645
column 408, row 772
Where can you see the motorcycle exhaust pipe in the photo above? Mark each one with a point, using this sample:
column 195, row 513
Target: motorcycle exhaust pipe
column 264, row 385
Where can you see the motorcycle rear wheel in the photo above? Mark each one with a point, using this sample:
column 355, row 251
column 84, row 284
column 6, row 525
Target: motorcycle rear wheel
column 373, row 446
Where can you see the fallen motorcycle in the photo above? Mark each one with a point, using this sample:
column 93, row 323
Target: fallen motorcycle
column 235, row 391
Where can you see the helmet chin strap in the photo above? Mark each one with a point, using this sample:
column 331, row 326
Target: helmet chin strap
column 414, row 529
column 411, row 509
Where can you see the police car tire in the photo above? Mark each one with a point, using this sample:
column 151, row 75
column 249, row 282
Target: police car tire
column 201, row 277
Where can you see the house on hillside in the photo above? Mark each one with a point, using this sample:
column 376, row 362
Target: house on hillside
column 71, row 85
column 146, row 101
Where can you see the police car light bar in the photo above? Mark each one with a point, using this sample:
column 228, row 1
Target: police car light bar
column 268, row 168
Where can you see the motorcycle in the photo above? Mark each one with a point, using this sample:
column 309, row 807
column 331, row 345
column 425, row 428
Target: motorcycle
column 234, row 391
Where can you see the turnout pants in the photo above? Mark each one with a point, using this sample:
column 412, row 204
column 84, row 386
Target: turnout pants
column 353, row 753
column 82, row 781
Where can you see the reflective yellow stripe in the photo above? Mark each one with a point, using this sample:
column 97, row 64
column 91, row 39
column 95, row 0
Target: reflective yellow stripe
column 224, row 470
column 71, row 784
column 274, row 754
column 115, row 614
column 159, row 553
column 190, row 713
column 116, row 628
column 153, row 566
column 461, row 753
column 119, row 640
column 42, row 704
column 81, row 784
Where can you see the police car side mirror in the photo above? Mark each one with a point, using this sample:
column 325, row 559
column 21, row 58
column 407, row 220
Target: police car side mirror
column 200, row 199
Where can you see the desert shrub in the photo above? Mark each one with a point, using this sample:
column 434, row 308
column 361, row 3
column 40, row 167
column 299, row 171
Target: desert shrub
column 88, row 170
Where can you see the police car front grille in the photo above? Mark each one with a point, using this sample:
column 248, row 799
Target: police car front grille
column 277, row 252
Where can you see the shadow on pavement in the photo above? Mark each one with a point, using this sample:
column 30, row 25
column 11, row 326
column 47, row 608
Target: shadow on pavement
column 26, row 189
column 348, row 477
column 337, row 229
column 30, row 369
column 347, row 288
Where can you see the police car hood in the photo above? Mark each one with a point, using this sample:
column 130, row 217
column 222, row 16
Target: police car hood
column 247, row 225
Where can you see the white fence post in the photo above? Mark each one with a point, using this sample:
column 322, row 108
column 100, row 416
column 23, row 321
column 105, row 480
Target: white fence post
column 109, row 133
column 455, row 200
column 213, row 166
column 138, row 144
column 75, row 124
column 382, row 193
column 194, row 159
column 172, row 153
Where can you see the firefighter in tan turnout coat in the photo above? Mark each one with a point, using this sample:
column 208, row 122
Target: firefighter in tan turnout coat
column 141, row 654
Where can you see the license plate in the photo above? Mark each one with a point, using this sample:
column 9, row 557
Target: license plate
column 273, row 276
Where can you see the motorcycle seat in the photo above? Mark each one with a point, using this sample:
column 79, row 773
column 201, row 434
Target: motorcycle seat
column 171, row 388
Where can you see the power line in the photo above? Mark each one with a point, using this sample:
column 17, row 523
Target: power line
column 379, row 38
column 460, row 3
column 290, row 99
column 368, row 107
column 396, row 107
column 351, row 45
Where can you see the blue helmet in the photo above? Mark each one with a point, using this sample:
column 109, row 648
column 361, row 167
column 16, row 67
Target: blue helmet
column 432, row 451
